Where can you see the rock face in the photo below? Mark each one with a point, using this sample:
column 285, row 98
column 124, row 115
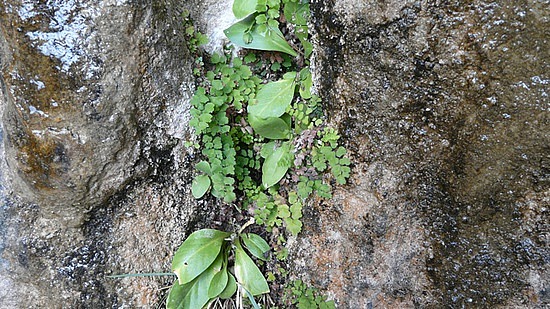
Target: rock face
column 443, row 106
column 93, row 95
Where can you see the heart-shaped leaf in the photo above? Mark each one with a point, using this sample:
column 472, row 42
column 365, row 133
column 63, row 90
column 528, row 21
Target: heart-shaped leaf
column 260, row 37
column 197, row 253
column 273, row 99
column 248, row 274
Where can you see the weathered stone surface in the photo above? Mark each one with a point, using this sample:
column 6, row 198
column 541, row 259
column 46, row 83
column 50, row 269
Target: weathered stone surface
column 444, row 106
column 94, row 97
column 68, row 145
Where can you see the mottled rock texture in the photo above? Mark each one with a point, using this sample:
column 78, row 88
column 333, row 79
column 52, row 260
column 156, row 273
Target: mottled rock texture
column 442, row 104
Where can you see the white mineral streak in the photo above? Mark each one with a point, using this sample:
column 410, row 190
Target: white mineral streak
column 69, row 30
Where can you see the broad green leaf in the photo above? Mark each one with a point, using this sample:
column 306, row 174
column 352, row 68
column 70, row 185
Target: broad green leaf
column 200, row 185
column 248, row 274
column 243, row 8
column 297, row 13
column 273, row 99
column 196, row 253
column 196, row 295
column 230, row 288
column 276, row 165
column 256, row 245
column 261, row 37
column 219, row 280
column 177, row 294
column 272, row 128
column 290, row 76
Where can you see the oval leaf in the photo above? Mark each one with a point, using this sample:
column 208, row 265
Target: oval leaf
column 219, row 281
column 200, row 185
column 204, row 167
column 273, row 99
column 248, row 274
column 272, row 128
column 231, row 287
column 197, row 253
column 276, row 165
column 272, row 39
column 256, row 245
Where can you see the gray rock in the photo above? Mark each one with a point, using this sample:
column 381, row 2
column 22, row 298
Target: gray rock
column 93, row 95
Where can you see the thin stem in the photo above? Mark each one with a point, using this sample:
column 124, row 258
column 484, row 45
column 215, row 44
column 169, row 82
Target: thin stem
column 141, row 275
column 250, row 222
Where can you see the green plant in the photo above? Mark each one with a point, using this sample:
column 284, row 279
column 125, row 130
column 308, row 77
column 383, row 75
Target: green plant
column 203, row 268
column 249, row 128
column 258, row 27
column 303, row 297
column 215, row 104
column 264, row 147
column 194, row 38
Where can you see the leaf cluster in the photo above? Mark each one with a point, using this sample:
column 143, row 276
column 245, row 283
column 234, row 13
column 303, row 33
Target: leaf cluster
column 328, row 154
column 272, row 210
column 203, row 267
column 215, row 106
column 259, row 24
column 274, row 130
column 262, row 138
column 303, row 297
column 193, row 37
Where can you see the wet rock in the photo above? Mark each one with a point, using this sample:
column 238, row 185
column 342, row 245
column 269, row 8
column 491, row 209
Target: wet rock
column 64, row 61
column 444, row 108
